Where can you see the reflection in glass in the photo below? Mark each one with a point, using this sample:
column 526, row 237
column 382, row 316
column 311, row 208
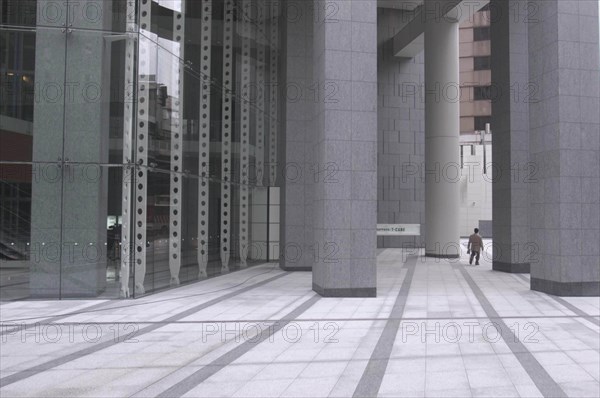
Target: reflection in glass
column 139, row 143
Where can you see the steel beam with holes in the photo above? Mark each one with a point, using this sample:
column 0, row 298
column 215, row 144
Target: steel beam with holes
column 177, row 146
column 128, row 169
column 274, row 92
column 141, row 171
column 204, row 139
column 259, row 152
column 226, row 124
column 244, row 164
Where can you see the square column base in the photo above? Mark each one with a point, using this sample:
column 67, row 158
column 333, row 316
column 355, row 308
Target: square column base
column 512, row 268
column 345, row 291
column 433, row 255
column 566, row 289
column 299, row 268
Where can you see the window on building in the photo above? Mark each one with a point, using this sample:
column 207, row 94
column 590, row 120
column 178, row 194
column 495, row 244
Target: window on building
column 481, row 121
column 482, row 93
column 481, row 33
column 481, row 63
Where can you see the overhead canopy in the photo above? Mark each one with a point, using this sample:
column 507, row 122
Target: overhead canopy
column 410, row 40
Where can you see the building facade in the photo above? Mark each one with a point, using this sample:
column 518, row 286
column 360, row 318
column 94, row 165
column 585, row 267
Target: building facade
column 476, row 72
column 139, row 143
column 477, row 97
column 149, row 143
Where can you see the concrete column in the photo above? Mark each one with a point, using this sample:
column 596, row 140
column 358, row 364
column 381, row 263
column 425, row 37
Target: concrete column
column 442, row 129
column 344, row 146
column 564, row 144
column 510, row 126
column 295, row 230
column 401, row 143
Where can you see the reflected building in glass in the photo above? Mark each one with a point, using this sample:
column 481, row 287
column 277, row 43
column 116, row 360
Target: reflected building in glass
column 139, row 143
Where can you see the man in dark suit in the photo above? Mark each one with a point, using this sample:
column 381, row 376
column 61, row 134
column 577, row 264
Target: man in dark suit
column 474, row 247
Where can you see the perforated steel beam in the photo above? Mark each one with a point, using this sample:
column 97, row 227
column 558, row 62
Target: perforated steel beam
column 226, row 124
column 274, row 91
column 244, row 164
column 204, row 139
column 177, row 147
column 128, row 169
column 259, row 151
column 141, row 177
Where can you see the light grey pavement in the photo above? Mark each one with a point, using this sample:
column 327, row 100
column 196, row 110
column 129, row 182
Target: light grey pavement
column 437, row 328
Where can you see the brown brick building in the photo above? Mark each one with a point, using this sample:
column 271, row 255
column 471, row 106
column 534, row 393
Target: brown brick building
column 475, row 73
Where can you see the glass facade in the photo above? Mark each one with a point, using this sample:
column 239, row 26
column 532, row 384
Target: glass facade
column 138, row 143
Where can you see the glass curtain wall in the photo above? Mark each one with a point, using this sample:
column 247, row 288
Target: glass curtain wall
column 137, row 138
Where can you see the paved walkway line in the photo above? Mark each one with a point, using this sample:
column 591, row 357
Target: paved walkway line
column 574, row 309
column 105, row 305
column 21, row 375
column 47, row 321
column 371, row 379
column 362, row 319
column 193, row 380
column 546, row 384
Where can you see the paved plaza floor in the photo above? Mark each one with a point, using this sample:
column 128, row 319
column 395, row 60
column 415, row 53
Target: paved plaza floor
column 436, row 329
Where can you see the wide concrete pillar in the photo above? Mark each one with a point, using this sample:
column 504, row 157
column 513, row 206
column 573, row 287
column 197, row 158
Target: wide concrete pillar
column 442, row 130
column 510, row 125
column 344, row 149
column 564, row 121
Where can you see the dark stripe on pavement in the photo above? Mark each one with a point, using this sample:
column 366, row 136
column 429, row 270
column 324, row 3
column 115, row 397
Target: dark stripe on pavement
column 564, row 302
column 543, row 381
column 193, row 380
column 21, row 375
column 371, row 379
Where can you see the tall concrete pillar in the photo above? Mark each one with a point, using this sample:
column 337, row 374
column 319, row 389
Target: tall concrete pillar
column 401, row 143
column 442, row 130
column 344, row 149
column 564, row 144
column 295, row 221
column 510, row 138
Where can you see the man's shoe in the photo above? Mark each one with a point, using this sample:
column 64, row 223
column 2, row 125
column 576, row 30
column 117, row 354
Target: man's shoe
column 476, row 263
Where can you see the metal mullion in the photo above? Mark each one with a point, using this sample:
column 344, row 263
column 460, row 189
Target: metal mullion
column 204, row 138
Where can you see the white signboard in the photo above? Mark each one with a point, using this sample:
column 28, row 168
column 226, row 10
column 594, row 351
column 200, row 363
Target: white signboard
column 398, row 229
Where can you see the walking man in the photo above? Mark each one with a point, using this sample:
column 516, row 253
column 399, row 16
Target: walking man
column 474, row 247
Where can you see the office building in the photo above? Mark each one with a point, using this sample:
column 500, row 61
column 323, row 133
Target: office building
column 151, row 143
